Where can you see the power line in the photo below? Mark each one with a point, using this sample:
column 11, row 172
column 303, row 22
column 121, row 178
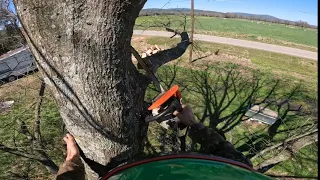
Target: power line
column 309, row 13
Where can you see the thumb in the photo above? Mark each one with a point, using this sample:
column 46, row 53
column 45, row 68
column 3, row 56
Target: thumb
column 177, row 113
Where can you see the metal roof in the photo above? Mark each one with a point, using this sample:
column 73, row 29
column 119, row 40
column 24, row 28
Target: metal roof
column 262, row 114
column 258, row 116
column 264, row 110
column 13, row 52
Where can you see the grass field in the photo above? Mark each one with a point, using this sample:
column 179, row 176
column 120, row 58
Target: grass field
column 279, row 34
column 290, row 70
column 294, row 68
column 24, row 92
column 303, row 163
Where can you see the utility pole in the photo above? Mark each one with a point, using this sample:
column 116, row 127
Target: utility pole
column 192, row 30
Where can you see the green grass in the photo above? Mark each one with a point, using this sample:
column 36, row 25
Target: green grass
column 294, row 68
column 24, row 93
column 238, row 28
column 290, row 70
column 305, row 163
column 289, row 167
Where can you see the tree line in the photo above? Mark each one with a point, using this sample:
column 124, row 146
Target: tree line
column 10, row 34
column 10, row 38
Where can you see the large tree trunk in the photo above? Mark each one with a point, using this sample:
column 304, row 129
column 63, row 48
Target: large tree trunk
column 83, row 51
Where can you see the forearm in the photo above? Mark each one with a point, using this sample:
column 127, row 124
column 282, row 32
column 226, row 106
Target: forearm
column 213, row 143
column 71, row 170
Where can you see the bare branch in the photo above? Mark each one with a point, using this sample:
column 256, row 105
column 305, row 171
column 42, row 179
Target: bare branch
column 291, row 146
column 17, row 152
column 24, row 130
column 274, row 127
column 168, row 55
column 37, row 133
column 286, row 141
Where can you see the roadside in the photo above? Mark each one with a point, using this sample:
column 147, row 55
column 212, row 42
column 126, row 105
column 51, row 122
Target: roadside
column 242, row 43
column 280, row 65
column 251, row 30
column 260, row 39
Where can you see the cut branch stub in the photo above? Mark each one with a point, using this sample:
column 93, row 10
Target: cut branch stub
column 171, row 54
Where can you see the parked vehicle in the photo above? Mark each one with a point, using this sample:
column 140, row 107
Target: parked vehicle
column 16, row 63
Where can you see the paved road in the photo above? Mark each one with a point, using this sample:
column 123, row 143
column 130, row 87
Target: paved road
column 238, row 42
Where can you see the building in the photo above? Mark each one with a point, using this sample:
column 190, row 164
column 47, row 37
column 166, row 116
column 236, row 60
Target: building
column 16, row 63
column 262, row 114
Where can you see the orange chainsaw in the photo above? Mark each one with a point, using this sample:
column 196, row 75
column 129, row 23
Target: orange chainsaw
column 165, row 103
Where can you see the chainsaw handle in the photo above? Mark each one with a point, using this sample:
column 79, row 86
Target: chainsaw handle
column 154, row 118
column 175, row 105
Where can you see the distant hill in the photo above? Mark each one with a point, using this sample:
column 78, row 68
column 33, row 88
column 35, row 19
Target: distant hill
column 198, row 12
column 262, row 16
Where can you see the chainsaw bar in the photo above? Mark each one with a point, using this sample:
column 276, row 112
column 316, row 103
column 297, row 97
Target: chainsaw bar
column 148, row 70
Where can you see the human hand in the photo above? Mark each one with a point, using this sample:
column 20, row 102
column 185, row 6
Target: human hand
column 186, row 116
column 73, row 153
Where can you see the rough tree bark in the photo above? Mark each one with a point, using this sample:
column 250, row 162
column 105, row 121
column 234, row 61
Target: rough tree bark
column 82, row 49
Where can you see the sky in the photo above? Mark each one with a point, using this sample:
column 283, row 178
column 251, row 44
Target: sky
column 294, row 10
